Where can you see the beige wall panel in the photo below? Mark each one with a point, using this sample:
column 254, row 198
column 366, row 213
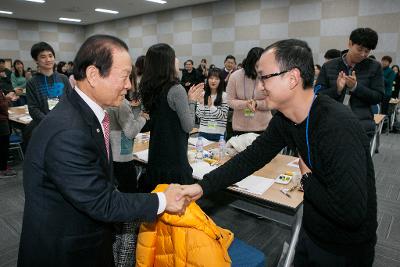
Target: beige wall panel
column 135, row 42
column 203, row 36
column 381, row 23
column 247, row 33
column 304, row 28
column 224, row 21
column 150, row 29
column 340, row 8
column 245, row 5
column 48, row 36
column 223, row 48
column 274, row 15
column 201, row 11
column 329, row 42
column 183, row 50
column 183, row 25
column 67, row 47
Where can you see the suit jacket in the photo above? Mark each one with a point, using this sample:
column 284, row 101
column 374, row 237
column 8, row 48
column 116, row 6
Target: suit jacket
column 70, row 197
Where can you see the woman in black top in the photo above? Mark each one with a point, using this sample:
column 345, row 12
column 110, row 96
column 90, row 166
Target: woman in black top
column 172, row 113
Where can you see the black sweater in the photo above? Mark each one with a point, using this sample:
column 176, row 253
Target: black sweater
column 340, row 196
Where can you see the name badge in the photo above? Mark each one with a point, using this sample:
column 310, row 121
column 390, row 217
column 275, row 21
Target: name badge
column 212, row 124
column 248, row 112
column 346, row 100
column 52, row 102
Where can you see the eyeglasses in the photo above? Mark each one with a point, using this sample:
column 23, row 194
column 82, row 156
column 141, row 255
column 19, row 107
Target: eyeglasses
column 267, row 76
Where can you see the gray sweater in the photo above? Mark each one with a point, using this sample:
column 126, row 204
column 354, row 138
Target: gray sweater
column 178, row 101
column 124, row 126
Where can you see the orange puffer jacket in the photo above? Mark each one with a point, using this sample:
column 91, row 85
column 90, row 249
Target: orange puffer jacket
column 192, row 239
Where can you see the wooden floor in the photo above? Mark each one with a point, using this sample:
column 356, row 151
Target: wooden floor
column 265, row 235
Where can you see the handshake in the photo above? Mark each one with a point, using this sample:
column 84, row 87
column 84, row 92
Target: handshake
column 179, row 197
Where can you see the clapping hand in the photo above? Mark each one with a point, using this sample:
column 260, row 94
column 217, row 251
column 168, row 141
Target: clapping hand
column 341, row 82
column 351, row 80
column 196, row 92
column 251, row 104
column 145, row 115
column 12, row 96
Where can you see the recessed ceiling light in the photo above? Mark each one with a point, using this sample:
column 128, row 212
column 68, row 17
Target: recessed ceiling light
column 68, row 19
column 106, row 11
column 157, row 1
column 6, row 12
column 36, row 1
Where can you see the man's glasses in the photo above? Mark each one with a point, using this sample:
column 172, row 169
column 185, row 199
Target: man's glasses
column 267, row 76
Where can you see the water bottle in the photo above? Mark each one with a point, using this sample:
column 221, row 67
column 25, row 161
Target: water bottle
column 199, row 148
column 221, row 145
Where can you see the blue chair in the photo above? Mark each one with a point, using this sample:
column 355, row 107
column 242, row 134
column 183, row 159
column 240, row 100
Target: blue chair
column 15, row 144
column 243, row 255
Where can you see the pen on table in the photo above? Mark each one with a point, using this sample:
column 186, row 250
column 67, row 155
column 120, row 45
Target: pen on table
column 283, row 191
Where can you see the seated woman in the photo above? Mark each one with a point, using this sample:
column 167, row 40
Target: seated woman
column 212, row 109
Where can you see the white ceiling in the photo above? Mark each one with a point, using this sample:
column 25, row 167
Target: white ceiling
column 51, row 10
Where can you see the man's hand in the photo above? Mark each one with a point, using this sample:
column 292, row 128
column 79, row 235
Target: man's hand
column 340, row 82
column 351, row 81
column 193, row 191
column 176, row 201
column 303, row 167
column 18, row 90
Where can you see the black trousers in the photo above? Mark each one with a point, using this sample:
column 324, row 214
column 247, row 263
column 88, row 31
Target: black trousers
column 4, row 144
column 125, row 173
column 309, row 254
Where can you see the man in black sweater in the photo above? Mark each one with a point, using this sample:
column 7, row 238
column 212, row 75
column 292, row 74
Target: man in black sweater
column 339, row 219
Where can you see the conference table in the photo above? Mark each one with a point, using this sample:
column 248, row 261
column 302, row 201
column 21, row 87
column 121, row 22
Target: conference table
column 272, row 204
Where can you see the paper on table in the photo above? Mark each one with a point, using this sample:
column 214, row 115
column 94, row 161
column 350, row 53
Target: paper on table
column 201, row 168
column 294, row 163
column 193, row 140
column 255, row 184
column 25, row 118
column 142, row 155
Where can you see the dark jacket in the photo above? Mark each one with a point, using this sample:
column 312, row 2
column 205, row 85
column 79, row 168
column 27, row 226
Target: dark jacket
column 70, row 196
column 369, row 90
column 193, row 78
column 5, row 82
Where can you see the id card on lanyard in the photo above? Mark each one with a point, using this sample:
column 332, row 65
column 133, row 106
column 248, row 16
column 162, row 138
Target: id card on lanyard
column 53, row 92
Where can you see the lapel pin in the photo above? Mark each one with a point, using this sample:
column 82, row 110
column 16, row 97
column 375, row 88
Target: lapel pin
column 98, row 130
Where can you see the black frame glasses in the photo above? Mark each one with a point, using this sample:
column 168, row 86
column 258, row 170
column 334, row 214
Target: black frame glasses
column 267, row 76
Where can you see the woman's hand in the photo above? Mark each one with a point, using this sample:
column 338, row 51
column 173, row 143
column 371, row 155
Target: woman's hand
column 196, row 92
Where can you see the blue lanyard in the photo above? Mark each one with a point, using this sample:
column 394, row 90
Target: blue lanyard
column 47, row 86
column 316, row 89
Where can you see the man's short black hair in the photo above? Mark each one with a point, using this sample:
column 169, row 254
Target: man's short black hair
column 365, row 37
column 189, row 60
column 332, row 53
column 97, row 51
column 387, row 58
column 230, row 57
column 39, row 48
column 294, row 53
column 2, row 60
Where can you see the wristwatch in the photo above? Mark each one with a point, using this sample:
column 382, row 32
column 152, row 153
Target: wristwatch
column 304, row 178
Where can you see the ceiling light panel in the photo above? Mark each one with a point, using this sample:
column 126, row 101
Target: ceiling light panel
column 106, row 11
column 157, row 1
column 70, row 19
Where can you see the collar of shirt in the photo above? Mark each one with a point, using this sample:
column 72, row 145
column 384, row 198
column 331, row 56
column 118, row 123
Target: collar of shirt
column 98, row 111
column 227, row 70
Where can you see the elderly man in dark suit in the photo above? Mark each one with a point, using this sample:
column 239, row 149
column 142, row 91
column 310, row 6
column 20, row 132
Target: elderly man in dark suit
column 70, row 197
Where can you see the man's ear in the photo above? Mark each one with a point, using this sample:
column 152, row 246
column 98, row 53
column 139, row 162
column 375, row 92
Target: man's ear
column 92, row 74
column 295, row 77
